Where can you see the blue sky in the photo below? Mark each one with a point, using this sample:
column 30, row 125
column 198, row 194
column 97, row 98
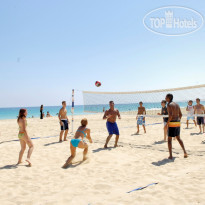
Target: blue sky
column 49, row 47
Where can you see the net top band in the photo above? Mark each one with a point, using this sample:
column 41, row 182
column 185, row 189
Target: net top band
column 149, row 91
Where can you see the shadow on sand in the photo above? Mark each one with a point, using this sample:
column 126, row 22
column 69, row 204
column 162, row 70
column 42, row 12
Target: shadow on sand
column 12, row 166
column 8, row 141
column 52, row 143
column 198, row 133
column 78, row 163
column 163, row 162
column 74, row 165
column 135, row 134
column 159, row 142
column 103, row 149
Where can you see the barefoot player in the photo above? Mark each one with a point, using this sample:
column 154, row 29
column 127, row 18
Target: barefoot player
column 199, row 110
column 111, row 116
column 165, row 119
column 79, row 141
column 190, row 113
column 141, row 119
column 63, row 118
column 173, row 124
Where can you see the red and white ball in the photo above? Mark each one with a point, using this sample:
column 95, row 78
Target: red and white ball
column 97, row 83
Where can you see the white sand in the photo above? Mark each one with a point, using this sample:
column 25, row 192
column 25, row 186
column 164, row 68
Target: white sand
column 107, row 174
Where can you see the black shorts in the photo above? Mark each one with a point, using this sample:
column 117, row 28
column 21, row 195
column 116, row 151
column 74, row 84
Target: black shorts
column 165, row 119
column 200, row 120
column 65, row 125
column 174, row 129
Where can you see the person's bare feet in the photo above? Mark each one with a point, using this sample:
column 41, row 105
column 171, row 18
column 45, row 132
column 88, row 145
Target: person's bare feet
column 65, row 140
column 185, row 155
column 170, row 157
column 19, row 163
column 66, row 165
column 116, row 145
column 29, row 162
column 60, row 140
column 85, row 158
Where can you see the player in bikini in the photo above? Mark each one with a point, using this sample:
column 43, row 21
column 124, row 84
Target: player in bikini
column 23, row 137
column 111, row 116
column 79, row 141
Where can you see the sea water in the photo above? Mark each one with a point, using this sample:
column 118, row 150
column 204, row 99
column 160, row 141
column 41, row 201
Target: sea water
column 12, row 113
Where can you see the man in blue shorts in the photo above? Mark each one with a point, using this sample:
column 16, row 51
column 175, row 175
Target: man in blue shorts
column 111, row 116
column 140, row 118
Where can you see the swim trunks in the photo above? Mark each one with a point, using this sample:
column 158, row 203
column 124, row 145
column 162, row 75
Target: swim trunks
column 140, row 120
column 112, row 128
column 190, row 118
column 174, row 129
column 65, row 125
column 200, row 121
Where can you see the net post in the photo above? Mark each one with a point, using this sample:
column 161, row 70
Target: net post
column 72, row 109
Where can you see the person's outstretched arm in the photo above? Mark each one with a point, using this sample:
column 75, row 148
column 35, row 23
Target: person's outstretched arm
column 88, row 136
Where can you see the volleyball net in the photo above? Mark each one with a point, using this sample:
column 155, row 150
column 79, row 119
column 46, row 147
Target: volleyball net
column 128, row 102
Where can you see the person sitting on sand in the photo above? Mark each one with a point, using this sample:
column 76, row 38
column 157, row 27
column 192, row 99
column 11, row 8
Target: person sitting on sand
column 165, row 119
column 199, row 110
column 79, row 142
column 173, row 124
column 23, row 137
column 48, row 114
column 111, row 116
column 141, row 119
column 63, row 118
column 190, row 113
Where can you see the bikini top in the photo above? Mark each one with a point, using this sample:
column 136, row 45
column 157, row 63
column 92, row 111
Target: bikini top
column 82, row 132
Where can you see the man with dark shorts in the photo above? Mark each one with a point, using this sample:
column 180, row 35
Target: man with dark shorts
column 199, row 110
column 111, row 116
column 165, row 119
column 173, row 124
column 63, row 118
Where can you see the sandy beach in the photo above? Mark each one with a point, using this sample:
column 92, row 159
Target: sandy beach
column 108, row 174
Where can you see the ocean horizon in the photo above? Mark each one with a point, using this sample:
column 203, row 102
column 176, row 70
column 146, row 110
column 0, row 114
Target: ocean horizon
column 34, row 112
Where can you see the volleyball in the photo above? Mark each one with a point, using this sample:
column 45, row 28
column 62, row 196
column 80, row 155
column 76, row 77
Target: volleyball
column 97, row 83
